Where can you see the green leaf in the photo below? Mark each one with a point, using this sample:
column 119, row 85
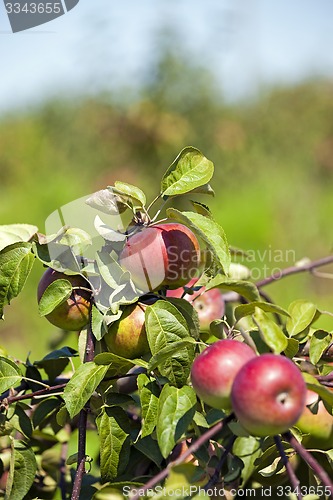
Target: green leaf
column 45, row 409
column 149, row 447
column 248, row 450
column 302, row 314
column 82, row 385
column 270, row 332
column 10, row 375
column 14, row 233
column 211, row 233
column 107, row 202
column 55, row 294
column 165, row 325
column 16, row 262
column 202, row 209
column 148, row 392
column 315, row 386
column 248, row 309
column 176, row 409
column 116, row 364
column 190, row 170
column 77, row 239
column 98, row 324
column 292, row 348
column 23, row 467
column 56, row 361
column 114, row 431
column 131, row 191
column 204, row 189
column 244, row 288
column 109, row 269
column 319, row 342
column 21, row 422
column 190, row 314
column 168, row 351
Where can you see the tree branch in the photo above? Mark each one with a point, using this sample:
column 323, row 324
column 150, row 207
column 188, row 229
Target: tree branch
column 294, row 481
column 215, row 477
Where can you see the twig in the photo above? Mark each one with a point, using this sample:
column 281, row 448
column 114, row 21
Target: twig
column 294, row 481
column 48, row 392
column 310, row 460
column 82, row 427
column 215, row 477
column 206, row 436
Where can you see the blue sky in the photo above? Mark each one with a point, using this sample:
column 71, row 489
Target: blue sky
column 102, row 44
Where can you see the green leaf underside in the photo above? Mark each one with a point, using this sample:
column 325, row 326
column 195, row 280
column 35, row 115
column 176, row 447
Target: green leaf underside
column 244, row 288
column 176, row 409
column 10, row 375
column 190, row 170
column 16, row 262
column 114, row 431
column 82, row 385
column 248, row 309
column 211, row 233
column 14, row 233
column 55, row 294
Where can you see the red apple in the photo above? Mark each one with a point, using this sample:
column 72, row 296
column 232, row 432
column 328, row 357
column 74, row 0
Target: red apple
column 214, row 370
column 209, row 306
column 268, row 395
column 165, row 254
column 127, row 337
column 318, row 425
column 73, row 314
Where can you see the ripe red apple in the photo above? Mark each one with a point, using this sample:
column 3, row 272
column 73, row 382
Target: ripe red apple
column 165, row 254
column 318, row 425
column 127, row 336
column 73, row 314
column 214, row 370
column 268, row 395
column 209, row 306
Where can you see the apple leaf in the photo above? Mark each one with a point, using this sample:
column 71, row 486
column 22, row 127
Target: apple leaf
column 248, row 309
column 148, row 393
column 248, row 449
column 107, row 232
column 15, row 233
column 324, row 392
column 109, row 268
column 55, row 294
column 302, row 314
column 82, row 385
column 149, row 447
column 10, row 374
column 211, row 233
column 114, row 432
column 270, row 332
column 244, row 288
column 107, row 202
column 190, row 170
column 23, row 467
column 77, row 239
column 202, row 209
column 165, row 325
column 16, row 262
column 204, row 189
column 190, row 314
column 319, row 342
column 168, row 351
column 131, row 191
column 292, row 348
column 176, row 409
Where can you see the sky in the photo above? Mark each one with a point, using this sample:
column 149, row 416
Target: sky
column 102, row 44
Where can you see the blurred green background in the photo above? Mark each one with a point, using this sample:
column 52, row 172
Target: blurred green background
column 273, row 159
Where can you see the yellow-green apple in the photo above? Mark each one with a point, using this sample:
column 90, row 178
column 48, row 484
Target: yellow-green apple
column 268, row 395
column 73, row 314
column 209, row 305
column 127, row 336
column 318, row 425
column 214, row 370
column 165, row 254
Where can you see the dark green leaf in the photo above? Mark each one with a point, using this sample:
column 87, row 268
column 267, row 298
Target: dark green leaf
column 22, row 472
column 45, row 409
column 149, row 447
column 190, row 314
column 114, row 431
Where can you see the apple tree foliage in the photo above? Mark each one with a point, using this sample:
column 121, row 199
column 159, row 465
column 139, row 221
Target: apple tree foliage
column 87, row 423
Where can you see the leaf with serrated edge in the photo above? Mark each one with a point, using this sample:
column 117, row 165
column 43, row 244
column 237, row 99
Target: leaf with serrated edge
column 148, row 393
column 131, row 191
column 244, row 288
column 23, row 467
column 114, row 431
column 248, row 309
column 176, row 409
column 190, row 170
column 14, row 233
column 166, row 352
column 210, row 232
column 82, row 385
column 302, row 313
column 319, row 342
column 271, row 333
column 16, row 262
column 55, row 294
column 9, row 374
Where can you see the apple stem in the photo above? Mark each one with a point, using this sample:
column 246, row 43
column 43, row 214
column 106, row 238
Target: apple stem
column 310, row 460
column 206, row 436
column 215, row 477
column 82, row 425
column 294, row 481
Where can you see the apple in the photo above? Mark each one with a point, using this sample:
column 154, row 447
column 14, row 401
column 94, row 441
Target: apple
column 318, row 425
column 73, row 314
column 209, row 305
column 127, row 336
column 165, row 254
column 268, row 395
column 214, row 370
